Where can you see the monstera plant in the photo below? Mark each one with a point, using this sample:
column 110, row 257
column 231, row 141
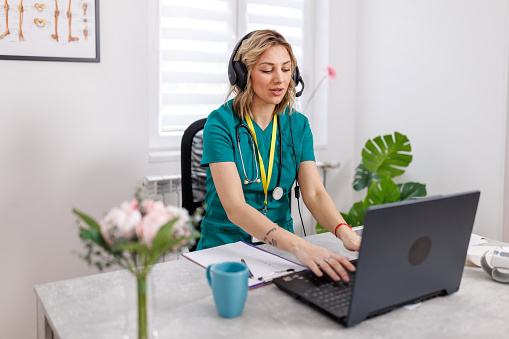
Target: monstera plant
column 383, row 159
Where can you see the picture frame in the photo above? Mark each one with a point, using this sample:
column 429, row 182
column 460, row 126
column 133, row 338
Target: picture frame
column 50, row 30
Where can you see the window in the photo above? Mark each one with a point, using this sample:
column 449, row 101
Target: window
column 195, row 39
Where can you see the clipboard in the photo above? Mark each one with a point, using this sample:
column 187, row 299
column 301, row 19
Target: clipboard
column 264, row 265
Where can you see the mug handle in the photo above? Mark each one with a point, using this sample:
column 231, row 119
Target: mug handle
column 209, row 278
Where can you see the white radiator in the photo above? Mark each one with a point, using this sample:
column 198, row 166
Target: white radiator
column 167, row 188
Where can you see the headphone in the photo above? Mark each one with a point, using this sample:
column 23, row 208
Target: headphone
column 237, row 71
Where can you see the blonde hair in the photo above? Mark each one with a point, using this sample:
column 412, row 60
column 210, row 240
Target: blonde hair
column 249, row 52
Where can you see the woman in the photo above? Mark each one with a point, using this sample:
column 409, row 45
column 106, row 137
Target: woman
column 254, row 149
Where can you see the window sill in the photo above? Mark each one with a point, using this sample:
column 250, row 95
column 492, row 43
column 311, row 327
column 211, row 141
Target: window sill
column 163, row 156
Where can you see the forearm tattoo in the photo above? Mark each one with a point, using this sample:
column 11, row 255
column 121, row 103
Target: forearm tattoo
column 271, row 241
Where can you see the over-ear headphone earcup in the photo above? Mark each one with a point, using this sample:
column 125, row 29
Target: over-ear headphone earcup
column 296, row 76
column 241, row 72
column 296, row 80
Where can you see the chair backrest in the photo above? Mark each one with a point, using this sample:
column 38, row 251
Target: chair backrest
column 193, row 175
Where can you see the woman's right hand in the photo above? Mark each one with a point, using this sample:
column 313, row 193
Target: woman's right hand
column 320, row 260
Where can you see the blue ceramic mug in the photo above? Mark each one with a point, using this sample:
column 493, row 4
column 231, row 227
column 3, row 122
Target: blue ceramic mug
column 228, row 281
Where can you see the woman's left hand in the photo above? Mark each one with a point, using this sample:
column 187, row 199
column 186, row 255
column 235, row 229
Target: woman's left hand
column 320, row 260
column 350, row 239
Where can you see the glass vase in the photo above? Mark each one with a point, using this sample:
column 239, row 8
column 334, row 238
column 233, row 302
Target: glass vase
column 140, row 300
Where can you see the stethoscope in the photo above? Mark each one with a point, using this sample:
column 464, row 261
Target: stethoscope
column 277, row 193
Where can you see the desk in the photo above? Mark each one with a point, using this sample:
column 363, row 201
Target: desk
column 94, row 306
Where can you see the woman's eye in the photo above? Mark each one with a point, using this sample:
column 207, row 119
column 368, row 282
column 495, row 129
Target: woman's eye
column 286, row 70
column 264, row 71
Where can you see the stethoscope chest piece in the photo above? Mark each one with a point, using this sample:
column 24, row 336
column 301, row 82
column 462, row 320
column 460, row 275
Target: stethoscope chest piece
column 277, row 193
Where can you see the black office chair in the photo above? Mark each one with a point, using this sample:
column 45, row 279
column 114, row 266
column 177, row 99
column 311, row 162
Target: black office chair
column 193, row 175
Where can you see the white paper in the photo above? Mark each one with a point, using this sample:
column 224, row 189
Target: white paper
column 262, row 264
column 476, row 240
column 412, row 306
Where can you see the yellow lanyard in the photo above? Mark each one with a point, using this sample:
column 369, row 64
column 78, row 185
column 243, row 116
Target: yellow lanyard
column 265, row 178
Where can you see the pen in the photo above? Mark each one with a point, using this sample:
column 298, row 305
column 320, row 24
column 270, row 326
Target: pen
column 250, row 273
column 268, row 275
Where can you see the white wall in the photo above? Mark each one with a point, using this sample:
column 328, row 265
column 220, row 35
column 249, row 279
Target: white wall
column 436, row 71
column 76, row 134
column 341, row 119
column 342, row 93
column 71, row 135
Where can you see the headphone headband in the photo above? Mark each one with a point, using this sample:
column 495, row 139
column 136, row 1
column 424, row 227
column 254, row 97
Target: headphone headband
column 237, row 71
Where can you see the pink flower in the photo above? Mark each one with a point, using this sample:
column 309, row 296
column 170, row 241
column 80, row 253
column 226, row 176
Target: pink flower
column 156, row 215
column 120, row 223
column 331, row 72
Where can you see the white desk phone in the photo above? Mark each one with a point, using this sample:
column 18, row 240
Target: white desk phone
column 498, row 268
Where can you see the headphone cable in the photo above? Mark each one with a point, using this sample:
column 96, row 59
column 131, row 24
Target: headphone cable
column 297, row 188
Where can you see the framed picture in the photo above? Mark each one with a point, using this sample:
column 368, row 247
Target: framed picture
column 49, row 30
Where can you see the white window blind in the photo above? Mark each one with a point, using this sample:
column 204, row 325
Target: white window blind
column 196, row 38
column 286, row 17
column 291, row 18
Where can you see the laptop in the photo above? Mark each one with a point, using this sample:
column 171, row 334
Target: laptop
column 411, row 251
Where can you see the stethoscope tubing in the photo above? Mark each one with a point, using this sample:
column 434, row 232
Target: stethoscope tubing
column 256, row 179
column 241, row 125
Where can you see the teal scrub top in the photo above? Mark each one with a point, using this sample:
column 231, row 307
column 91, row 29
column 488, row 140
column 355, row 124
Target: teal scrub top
column 220, row 145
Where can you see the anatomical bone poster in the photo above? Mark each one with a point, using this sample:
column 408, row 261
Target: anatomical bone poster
column 55, row 30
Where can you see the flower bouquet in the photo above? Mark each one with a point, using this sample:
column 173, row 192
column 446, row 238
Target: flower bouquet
column 134, row 236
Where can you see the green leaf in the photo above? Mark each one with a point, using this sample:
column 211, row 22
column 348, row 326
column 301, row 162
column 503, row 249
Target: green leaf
column 168, row 245
column 95, row 236
column 88, row 220
column 412, row 190
column 382, row 192
column 131, row 247
column 320, row 229
column 164, row 234
column 386, row 155
column 195, row 234
column 355, row 216
column 363, row 178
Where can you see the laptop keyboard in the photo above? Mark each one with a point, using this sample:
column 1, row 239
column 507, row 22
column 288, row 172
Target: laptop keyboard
column 330, row 295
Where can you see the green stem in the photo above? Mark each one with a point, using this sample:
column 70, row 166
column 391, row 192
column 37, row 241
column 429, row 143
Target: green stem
column 313, row 93
column 142, row 307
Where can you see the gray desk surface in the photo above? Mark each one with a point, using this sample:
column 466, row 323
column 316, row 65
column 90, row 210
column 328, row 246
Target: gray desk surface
column 95, row 307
